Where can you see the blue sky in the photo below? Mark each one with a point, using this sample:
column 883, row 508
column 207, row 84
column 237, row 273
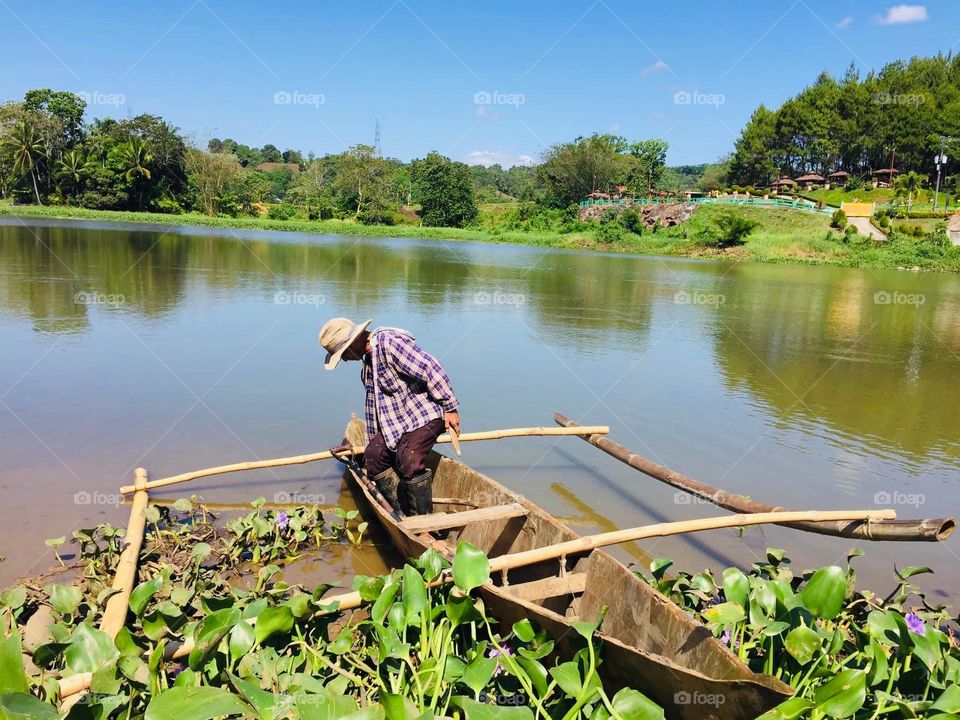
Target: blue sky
column 484, row 81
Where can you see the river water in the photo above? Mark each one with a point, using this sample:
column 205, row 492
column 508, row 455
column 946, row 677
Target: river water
column 176, row 349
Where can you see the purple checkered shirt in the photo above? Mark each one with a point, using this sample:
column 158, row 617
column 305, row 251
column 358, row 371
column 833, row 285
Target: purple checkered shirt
column 405, row 387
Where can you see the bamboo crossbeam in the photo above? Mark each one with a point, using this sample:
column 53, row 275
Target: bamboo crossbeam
column 931, row 530
column 351, row 600
column 326, row 454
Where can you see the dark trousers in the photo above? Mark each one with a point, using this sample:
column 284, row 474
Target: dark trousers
column 411, row 452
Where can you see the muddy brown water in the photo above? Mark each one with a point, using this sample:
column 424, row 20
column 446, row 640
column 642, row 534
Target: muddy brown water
column 176, row 349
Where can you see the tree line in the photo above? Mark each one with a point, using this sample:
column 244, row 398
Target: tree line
column 901, row 116
column 49, row 154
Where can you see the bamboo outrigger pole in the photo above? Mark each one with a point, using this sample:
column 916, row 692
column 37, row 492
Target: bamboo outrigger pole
column 125, row 577
column 351, row 600
column 871, row 529
column 326, row 454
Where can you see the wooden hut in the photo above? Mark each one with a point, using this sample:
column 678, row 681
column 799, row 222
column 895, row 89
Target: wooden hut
column 784, row 183
column 884, row 177
column 837, row 177
column 811, row 181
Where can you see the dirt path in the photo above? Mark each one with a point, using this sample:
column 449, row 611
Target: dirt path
column 864, row 227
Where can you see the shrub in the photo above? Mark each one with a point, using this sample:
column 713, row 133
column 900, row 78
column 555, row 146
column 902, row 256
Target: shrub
column 853, row 183
column 284, row 211
column 839, row 219
column 168, row 206
column 632, row 222
column 732, row 229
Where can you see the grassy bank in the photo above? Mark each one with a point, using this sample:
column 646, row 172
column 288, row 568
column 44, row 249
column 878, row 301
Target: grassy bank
column 781, row 236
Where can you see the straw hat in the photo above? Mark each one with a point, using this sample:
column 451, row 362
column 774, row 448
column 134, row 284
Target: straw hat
column 336, row 336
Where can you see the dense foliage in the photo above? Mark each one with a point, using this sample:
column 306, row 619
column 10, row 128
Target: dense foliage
column 847, row 653
column 856, row 124
column 264, row 649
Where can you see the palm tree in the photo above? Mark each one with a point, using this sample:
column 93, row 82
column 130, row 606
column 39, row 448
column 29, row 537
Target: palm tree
column 136, row 157
column 26, row 147
column 73, row 169
column 909, row 185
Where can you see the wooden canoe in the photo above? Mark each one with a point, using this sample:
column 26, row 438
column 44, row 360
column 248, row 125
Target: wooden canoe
column 650, row 643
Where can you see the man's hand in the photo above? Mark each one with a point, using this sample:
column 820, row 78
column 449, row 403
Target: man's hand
column 452, row 421
column 342, row 449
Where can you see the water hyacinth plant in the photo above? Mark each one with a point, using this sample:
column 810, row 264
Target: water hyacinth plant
column 847, row 653
column 272, row 651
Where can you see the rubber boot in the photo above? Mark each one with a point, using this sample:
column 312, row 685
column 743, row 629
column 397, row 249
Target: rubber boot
column 388, row 484
column 420, row 494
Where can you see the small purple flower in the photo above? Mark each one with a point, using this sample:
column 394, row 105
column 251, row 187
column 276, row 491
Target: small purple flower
column 726, row 637
column 172, row 674
column 495, row 652
column 915, row 624
column 283, row 520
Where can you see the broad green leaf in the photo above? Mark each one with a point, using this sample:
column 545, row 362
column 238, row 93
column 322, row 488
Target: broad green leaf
column 14, row 597
column 384, row 602
column 20, row 706
column 414, row 593
column 788, row 710
column 13, row 678
column 883, row 627
column 324, row 707
column 802, row 643
column 725, row 614
column 273, row 620
column 478, row 673
column 736, row 586
column 567, row 676
column 461, row 610
column 824, row 592
column 195, row 703
column 843, row 695
column 634, row 705
column 659, row 566
column 65, row 599
column 343, row 641
column 398, row 707
column 523, row 629
column 475, row 710
column 949, row 700
column 89, row 649
column 909, row 572
column 471, row 568
column 242, row 640
column 142, row 593
column 536, row 672
column 432, row 563
column 209, row 632
column 267, row 704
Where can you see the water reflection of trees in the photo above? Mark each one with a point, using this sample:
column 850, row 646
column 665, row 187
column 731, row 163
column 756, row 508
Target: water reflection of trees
column 46, row 267
column 827, row 351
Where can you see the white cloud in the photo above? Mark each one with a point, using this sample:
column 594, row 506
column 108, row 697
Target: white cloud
column 844, row 23
column 492, row 157
column 901, row 14
column 658, row 66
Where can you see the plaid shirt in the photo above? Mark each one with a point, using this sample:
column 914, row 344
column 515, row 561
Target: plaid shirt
column 405, row 387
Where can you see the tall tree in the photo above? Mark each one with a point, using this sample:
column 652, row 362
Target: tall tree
column 26, row 149
column 445, row 191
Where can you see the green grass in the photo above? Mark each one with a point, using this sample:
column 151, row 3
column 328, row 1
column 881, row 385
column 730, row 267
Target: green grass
column 783, row 235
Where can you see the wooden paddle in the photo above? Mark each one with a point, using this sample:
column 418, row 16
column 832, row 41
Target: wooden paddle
column 348, row 601
column 326, row 454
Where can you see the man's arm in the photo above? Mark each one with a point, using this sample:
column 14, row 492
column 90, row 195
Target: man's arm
column 410, row 359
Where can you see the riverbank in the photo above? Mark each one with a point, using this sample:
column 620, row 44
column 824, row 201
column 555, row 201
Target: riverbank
column 780, row 236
